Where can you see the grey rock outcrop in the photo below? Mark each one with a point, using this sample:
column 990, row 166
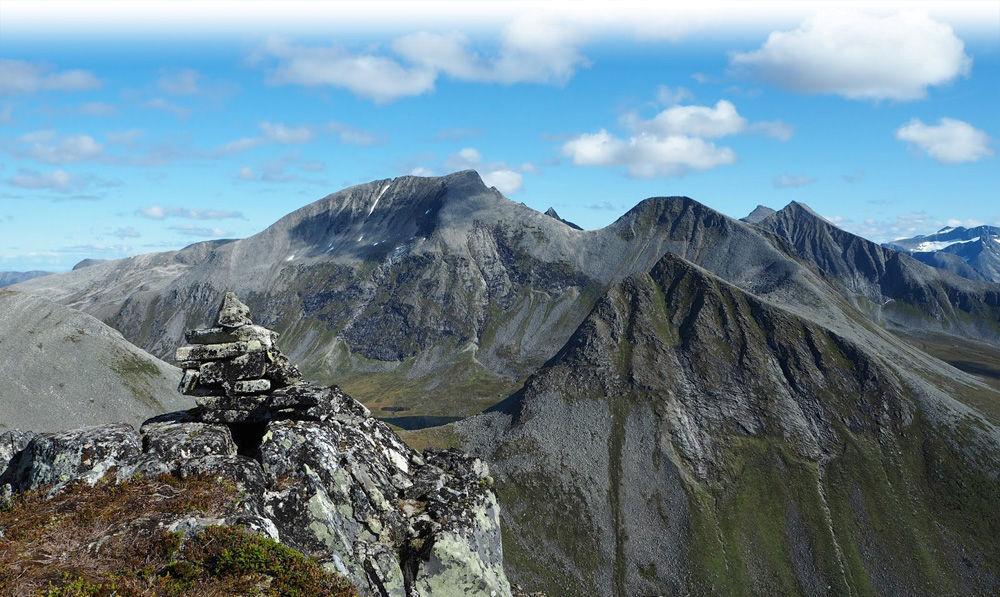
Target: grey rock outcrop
column 314, row 470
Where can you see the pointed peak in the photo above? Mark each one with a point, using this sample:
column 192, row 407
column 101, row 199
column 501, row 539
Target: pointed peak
column 233, row 313
column 758, row 214
column 551, row 212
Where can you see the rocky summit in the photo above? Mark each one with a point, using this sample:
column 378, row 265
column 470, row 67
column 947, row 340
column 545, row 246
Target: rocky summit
column 313, row 469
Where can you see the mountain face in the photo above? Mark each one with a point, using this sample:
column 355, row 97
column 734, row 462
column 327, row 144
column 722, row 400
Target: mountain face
column 11, row 278
column 62, row 368
column 972, row 253
column 691, row 438
column 438, row 296
column 892, row 288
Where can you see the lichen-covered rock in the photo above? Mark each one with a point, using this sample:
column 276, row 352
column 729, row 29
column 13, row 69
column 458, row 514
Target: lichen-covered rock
column 312, row 467
column 81, row 454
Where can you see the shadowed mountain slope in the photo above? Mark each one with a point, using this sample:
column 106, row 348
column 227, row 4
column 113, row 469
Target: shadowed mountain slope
column 892, row 288
column 691, row 438
column 62, row 368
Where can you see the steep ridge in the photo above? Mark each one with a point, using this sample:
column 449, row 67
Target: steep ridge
column 435, row 296
column 691, row 438
column 62, row 368
column 891, row 287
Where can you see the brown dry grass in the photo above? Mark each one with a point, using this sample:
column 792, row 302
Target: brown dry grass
column 110, row 539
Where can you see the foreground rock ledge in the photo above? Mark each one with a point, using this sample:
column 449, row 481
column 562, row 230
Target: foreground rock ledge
column 313, row 468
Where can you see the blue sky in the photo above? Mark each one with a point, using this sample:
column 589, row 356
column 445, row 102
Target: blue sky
column 150, row 133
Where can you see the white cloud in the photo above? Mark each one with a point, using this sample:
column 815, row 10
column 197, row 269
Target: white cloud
column 531, row 50
column 421, row 171
column 669, row 96
column 280, row 170
column 284, row 134
column 375, row 77
column 179, row 82
column 645, row 155
column 789, row 181
column 350, row 135
column 48, row 147
column 18, row 76
column 860, row 56
column 775, row 129
column 950, row 141
column 198, row 231
column 699, row 121
column 675, row 141
column 505, row 180
column 158, row 212
column 56, row 180
column 465, row 159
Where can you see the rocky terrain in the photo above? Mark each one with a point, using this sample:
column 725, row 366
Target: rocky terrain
column 972, row 253
column 62, row 368
column 438, row 296
column 691, row 438
column 10, row 278
column 678, row 403
column 311, row 467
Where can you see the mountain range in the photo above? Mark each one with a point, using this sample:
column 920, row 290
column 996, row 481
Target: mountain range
column 972, row 253
column 677, row 403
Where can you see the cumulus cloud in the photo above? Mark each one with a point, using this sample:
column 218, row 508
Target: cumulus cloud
column 645, row 155
column 49, row 147
column 699, row 121
column 860, row 56
column 159, row 212
column 531, row 50
column 789, row 181
column 675, row 141
column 19, row 76
column 505, row 180
column 950, row 141
column 183, row 81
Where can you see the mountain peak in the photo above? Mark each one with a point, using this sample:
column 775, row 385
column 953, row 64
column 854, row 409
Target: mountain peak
column 552, row 213
column 758, row 214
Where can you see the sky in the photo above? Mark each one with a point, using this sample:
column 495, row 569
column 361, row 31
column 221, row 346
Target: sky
column 128, row 128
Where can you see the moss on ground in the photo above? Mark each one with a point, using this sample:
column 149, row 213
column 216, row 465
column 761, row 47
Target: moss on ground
column 110, row 540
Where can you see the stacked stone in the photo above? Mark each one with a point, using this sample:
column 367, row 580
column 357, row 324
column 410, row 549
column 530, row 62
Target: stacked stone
column 232, row 359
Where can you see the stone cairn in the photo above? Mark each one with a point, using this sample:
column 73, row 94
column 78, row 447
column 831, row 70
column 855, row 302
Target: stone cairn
column 231, row 365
